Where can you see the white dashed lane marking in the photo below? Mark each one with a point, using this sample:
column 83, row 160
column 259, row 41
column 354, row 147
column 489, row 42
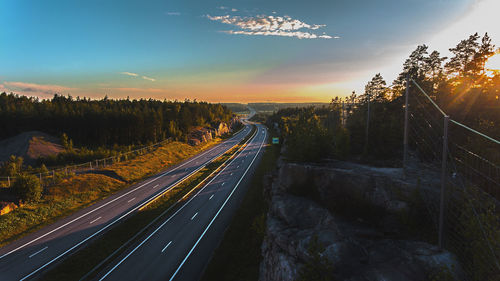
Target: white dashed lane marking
column 166, row 246
column 38, row 252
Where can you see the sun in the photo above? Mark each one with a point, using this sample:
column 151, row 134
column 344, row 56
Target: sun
column 492, row 65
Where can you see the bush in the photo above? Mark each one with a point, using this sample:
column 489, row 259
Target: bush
column 28, row 188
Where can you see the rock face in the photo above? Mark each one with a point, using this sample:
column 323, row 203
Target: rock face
column 356, row 250
column 199, row 135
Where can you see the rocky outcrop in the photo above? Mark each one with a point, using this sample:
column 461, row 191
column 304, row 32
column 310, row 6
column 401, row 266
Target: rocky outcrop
column 6, row 207
column 356, row 250
column 199, row 135
column 220, row 129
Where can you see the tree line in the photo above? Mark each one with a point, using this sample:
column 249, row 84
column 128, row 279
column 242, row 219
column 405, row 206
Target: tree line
column 107, row 122
column 460, row 85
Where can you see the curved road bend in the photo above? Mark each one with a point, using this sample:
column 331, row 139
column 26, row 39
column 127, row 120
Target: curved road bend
column 180, row 247
column 27, row 257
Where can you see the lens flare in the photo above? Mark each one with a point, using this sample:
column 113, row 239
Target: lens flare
column 492, row 65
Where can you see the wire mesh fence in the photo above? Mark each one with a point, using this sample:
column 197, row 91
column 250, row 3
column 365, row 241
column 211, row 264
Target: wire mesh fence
column 466, row 217
column 55, row 175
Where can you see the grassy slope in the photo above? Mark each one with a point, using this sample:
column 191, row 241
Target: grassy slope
column 81, row 191
column 238, row 256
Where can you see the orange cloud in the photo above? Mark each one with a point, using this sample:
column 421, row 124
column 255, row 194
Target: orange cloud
column 32, row 89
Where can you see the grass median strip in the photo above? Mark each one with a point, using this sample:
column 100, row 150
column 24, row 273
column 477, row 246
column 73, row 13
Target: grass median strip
column 85, row 263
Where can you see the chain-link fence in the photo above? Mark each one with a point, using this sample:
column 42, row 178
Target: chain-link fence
column 467, row 164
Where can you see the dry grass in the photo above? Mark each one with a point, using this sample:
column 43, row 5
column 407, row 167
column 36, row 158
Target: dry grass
column 63, row 199
column 161, row 158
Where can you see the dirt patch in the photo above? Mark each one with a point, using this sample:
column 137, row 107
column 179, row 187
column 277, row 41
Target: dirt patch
column 30, row 145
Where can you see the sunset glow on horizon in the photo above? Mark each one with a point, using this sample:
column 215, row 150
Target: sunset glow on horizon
column 232, row 51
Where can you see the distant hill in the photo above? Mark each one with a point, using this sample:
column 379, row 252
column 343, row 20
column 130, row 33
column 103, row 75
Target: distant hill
column 236, row 107
column 270, row 106
column 30, row 145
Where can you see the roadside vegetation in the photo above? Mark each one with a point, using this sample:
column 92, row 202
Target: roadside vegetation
column 87, row 262
column 78, row 191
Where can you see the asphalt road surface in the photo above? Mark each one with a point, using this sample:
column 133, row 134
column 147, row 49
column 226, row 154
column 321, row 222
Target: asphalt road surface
column 27, row 257
column 181, row 246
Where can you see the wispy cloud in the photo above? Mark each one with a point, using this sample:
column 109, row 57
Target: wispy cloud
column 271, row 26
column 298, row 34
column 227, row 8
column 137, row 75
column 173, row 13
column 148, row 78
column 32, row 89
column 130, row 74
column 141, row 90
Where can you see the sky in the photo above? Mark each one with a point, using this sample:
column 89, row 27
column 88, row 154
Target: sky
column 223, row 51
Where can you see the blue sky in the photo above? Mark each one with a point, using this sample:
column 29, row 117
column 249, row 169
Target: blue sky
column 215, row 50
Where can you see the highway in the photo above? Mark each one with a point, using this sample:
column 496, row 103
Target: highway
column 181, row 246
column 27, row 257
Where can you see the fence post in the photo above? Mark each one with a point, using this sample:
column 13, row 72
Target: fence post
column 367, row 123
column 405, row 139
column 443, row 180
column 8, row 180
column 90, row 163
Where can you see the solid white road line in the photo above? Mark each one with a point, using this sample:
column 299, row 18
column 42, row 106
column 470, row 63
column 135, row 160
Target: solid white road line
column 166, row 246
column 131, row 200
column 38, row 252
column 110, row 224
column 224, row 204
column 156, row 186
column 194, row 216
column 176, row 212
column 211, row 197
column 95, row 220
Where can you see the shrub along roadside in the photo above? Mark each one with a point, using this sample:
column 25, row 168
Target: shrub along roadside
column 28, row 188
column 238, row 256
column 86, row 262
